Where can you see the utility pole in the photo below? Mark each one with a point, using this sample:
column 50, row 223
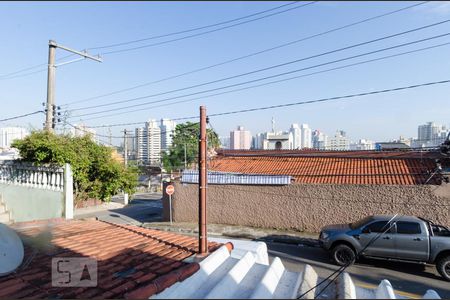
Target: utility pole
column 125, row 148
column 52, row 45
column 202, row 181
column 50, row 85
column 110, row 135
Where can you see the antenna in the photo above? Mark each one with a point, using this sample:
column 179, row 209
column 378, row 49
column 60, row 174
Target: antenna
column 11, row 250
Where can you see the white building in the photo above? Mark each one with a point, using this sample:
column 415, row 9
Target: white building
column 296, row 136
column 320, row 140
column 339, row 142
column 306, row 136
column 363, row 144
column 167, row 131
column 240, row 139
column 277, row 141
column 9, row 134
column 430, row 134
column 148, row 143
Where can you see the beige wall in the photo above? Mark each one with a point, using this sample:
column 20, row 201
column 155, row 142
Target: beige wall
column 308, row 207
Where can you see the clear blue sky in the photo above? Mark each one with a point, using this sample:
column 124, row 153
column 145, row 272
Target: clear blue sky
column 26, row 28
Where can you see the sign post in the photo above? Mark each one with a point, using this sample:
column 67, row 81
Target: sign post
column 169, row 190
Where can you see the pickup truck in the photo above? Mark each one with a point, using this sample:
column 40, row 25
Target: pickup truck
column 408, row 238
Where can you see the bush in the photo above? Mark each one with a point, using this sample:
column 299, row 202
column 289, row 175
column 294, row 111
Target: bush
column 96, row 174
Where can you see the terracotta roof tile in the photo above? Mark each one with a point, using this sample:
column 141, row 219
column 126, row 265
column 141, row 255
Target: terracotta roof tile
column 347, row 167
column 128, row 259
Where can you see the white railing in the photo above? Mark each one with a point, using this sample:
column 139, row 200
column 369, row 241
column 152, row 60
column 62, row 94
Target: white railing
column 25, row 174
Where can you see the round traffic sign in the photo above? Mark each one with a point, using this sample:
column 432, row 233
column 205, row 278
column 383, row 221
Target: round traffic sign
column 170, row 189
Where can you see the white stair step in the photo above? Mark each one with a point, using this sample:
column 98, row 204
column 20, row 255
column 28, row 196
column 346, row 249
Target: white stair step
column 214, row 278
column 288, row 285
column 229, row 284
column 2, row 208
column 247, row 285
column 268, row 284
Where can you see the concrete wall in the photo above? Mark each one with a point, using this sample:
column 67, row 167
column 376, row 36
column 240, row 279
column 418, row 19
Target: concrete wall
column 308, row 207
column 29, row 204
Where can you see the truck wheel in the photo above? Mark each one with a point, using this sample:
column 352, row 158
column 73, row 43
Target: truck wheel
column 443, row 267
column 343, row 255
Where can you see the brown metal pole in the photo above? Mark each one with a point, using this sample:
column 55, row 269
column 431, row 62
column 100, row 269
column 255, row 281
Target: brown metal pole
column 202, row 172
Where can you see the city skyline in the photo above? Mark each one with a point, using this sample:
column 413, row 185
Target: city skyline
column 86, row 79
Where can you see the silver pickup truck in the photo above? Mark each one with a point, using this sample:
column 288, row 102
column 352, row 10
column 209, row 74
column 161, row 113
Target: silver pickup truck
column 410, row 239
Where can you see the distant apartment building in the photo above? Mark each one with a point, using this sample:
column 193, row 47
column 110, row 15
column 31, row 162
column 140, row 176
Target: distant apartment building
column 430, row 134
column 306, row 136
column 339, row 142
column 148, row 143
column 240, row 139
column 258, row 141
column 296, row 132
column 167, row 131
column 10, row 134
column 363, row 144
column 320, row 140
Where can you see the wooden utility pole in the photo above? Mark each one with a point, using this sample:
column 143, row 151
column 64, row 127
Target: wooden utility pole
column 50, row 119
column 202, row 182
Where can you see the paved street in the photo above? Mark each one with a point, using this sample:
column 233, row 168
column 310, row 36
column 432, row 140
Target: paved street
column 413, row 280
column 143, row 208
column 409, row 279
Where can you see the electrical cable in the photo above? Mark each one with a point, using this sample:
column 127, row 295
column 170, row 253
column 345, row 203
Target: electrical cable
column 190, row 30
column 203, row 33
column 278, row 81
column 21, row 116
column 248, row 55
column 287, row 63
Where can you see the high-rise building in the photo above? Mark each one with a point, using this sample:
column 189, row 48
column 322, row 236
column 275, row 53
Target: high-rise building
column 167, row 131
column 9, row 134
column 306, row 136
column 148, row 143
column 258, row 141
column 296, row 136
column 339, row 141
column 240, row 139
column 431, row 134
column 363, row 144
column 224, row 142
column 320, row 140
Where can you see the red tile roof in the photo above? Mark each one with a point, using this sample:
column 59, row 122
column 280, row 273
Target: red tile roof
column 129, row 259
column 338, row 167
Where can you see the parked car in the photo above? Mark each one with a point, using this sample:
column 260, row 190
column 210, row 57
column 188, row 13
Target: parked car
column 410, row 239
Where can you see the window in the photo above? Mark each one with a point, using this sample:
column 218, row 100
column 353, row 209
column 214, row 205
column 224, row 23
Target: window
column 408, row 228
column 380, row 226
column 360, row 223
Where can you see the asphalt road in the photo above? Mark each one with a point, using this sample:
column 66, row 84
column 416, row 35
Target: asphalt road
column 410, row 280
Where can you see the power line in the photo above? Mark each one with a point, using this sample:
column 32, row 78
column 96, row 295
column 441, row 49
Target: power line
column 21, row 116
column 248, row 55
column 246, row 82
column 205, row 32
column 13, row 74
column 280, row 80
column 192, row 29
column 331, row 98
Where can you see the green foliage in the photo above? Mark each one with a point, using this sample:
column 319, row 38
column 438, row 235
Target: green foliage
column 186, row 135
column 96, row 174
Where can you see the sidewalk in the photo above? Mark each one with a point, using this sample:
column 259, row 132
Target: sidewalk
column 244, row 232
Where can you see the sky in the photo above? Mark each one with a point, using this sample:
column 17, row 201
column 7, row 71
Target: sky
column 26, row 28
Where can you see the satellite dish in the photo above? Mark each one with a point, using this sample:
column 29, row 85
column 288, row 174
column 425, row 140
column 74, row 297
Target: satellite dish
column 11, row 250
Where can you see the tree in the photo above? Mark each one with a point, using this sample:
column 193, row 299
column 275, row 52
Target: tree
column 187, row 135
column 96, row 174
